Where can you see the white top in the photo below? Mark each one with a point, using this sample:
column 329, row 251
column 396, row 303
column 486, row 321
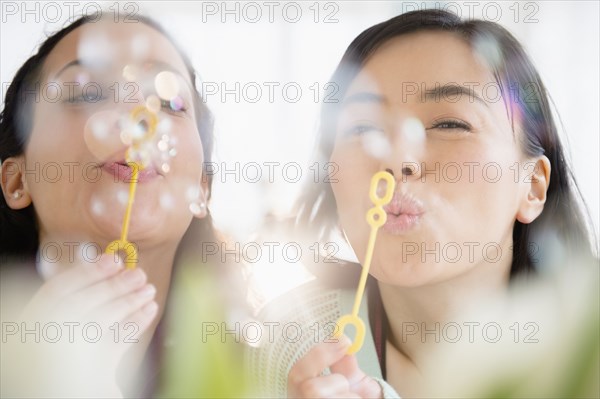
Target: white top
column 294, row 323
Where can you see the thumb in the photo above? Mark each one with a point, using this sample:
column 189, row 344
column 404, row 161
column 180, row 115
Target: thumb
column 348, row 367
column 359, row 382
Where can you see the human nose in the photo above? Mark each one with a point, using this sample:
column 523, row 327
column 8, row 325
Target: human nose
column 406, row 158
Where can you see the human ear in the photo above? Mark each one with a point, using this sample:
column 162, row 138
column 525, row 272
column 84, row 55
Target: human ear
column 537, row 185
column 200, row 207
column 14, row 189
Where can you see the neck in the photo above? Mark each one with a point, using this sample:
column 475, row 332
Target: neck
column 417, row 315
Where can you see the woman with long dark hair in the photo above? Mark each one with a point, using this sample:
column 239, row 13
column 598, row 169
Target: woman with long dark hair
column 456, row 112
column 75, row 107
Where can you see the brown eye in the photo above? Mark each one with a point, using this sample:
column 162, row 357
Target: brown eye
column 451, row 125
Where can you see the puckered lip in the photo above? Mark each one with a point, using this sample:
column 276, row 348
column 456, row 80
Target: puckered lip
column 403, row 213
column 122, row 171
column 404, row 204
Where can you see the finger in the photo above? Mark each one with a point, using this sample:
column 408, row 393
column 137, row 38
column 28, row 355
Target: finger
column 348, row 367
column 47, row 299
column 138, row 322
column 79, row 277
column 317, row 359
column 120, row 308
column 122, row 335
column 329, row 386
column 106, row 291
column 360, row 383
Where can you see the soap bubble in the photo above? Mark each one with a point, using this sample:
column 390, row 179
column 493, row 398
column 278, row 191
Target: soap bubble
column 123, row 196
column 126, row 138
column 162, row 145
column 166, row 200
column 414, row 131
column 164, row 126
column 147, row 146
column 107, row 133
column 153, row 103
column 131, row 73
column 166, row 85
column 95, row 50
column 99, row 129
column 196, row 199
column 98, row 207
column 101, row 134
column 141, row 155
column 141, row 131
column 176, row 103
column 376, row 144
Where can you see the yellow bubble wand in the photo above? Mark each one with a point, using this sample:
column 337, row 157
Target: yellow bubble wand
column 376, row 218
column 139, row 114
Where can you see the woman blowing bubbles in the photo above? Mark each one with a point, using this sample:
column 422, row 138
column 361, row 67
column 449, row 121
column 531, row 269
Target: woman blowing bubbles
column 412, row 101
column 94, row 74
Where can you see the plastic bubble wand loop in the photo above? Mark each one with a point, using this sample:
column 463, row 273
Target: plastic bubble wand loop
column 376, row 218
column 139, row 114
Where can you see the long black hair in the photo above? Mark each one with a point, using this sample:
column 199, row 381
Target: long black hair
column 19, row 236
column 564, row 217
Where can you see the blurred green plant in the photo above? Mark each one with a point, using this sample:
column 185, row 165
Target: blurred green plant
column 197, row 366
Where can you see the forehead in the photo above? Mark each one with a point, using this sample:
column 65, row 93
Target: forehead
column 423, row 58
column 106, row 43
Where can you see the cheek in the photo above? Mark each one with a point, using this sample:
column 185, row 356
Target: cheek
column 188, row 146
column 486, row 191
column 351, row 191
column 55, row 126
column 54, row 160
column 350, row 185
column 185, row 176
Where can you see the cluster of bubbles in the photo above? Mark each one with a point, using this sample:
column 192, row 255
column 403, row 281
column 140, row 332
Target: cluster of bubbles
column 148, row 137
column 144, row 135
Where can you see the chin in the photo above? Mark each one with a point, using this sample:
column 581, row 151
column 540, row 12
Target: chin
column 149, row 223
column 408, row 274
column 159, row 226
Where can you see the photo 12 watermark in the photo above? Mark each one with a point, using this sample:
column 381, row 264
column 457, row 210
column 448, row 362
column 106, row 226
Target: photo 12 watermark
column 68, row 332
column 291, row 332
column 58, row 11
column 252, row 12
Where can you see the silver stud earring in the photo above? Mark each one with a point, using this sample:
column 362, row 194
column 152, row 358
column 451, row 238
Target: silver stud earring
column 198, row 208
column 17, row 195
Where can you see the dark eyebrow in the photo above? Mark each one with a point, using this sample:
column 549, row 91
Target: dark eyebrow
column 452, row 90
column 154, row 63
column 364, row 97
column 68, row 65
